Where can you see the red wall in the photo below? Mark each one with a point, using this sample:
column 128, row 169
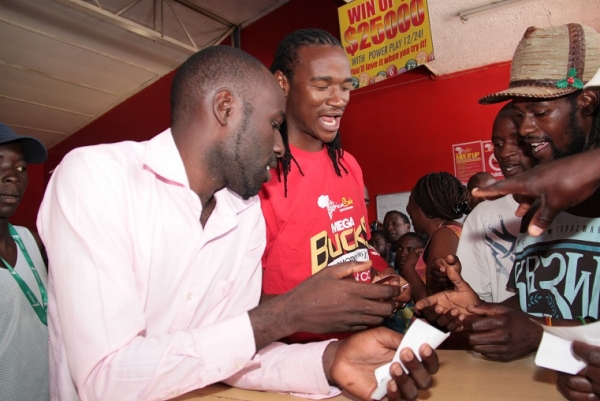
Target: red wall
column 405, row 128
column 398, row 129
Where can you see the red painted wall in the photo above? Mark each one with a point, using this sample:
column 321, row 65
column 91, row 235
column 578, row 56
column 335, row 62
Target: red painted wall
column 398, row 129
column 405, row 128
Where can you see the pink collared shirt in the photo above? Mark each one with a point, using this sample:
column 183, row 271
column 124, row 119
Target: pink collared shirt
column 144, row 302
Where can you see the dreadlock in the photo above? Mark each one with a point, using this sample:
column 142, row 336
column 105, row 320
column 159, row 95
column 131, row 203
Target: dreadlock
column 286, row 60
column 594, row 136
column 441, row 195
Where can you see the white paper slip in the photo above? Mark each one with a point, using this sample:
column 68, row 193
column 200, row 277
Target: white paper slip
column 418, row 333
column 555, row 353
column 555, row 348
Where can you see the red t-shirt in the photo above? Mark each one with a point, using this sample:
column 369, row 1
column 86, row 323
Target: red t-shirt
column 322, row 222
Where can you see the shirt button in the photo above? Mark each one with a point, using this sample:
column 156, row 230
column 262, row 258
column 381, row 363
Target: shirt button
column 190, row 296
column 239, row 364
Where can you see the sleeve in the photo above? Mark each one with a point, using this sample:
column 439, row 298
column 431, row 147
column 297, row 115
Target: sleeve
column 472, row 253
column 296, row 368
column 99, row 301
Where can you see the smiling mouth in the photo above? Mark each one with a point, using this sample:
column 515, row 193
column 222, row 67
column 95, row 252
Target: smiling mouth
column 538, row 146
column 331, row 122
column 509, row 168
column 10, row 198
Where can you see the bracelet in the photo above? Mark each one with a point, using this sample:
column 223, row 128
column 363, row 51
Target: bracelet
column 582, row 320
column 548, row 320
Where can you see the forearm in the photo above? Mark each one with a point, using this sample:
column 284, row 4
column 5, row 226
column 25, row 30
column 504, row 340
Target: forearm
column 272, row 320
column 161, row 367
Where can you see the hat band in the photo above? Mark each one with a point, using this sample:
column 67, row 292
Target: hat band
column 542, row 83
column 576, row 49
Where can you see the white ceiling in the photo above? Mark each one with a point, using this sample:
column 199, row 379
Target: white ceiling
column 64, row 63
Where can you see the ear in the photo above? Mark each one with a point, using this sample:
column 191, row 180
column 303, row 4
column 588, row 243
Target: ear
column 588, row 102
column 283, row 81
column 223, row 105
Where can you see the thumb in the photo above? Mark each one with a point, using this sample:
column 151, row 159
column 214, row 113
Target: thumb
column 541, row 219
column 346, row 269
column 457, row 280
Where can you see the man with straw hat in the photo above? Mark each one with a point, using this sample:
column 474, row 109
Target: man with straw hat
column 556, row 275
column 560, row 185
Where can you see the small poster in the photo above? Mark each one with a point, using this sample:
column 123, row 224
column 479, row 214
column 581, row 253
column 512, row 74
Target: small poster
column 468, row 160
column 489, row 160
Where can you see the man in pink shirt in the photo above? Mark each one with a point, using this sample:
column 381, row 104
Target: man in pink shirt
column 155, row 272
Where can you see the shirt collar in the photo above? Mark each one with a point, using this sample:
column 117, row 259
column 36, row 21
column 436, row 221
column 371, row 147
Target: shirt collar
column 162, row 157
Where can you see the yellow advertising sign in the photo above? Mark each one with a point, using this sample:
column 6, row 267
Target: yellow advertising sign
column 383, row 38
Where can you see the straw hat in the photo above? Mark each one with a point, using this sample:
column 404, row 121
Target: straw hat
column 551, row 62
column 594, row 83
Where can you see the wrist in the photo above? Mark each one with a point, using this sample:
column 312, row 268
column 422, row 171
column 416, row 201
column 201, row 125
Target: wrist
column 328, row 359
column 270, row 321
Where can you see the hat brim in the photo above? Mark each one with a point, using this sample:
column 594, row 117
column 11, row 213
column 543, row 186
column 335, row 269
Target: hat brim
column 594, row 83
column 35, row 151
column 535, row 92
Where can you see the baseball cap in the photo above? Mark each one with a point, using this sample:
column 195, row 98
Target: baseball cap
column 35, row 151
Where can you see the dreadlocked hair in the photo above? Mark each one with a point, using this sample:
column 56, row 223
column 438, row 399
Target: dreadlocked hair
column 286, row 60
column 441, row 195
column 594, row 138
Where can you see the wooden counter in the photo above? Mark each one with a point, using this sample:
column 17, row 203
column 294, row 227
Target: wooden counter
column 462, row 376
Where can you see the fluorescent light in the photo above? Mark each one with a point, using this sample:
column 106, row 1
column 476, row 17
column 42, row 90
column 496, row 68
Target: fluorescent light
column 466, row 14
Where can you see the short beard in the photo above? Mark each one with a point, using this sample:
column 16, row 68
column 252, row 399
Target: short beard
column 578, row 139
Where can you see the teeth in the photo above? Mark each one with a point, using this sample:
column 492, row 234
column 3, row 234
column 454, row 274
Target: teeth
column 329, row 121
column 268, row 168
column 537, row 146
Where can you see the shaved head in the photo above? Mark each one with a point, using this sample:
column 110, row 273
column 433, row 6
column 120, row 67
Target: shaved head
column 208, row 70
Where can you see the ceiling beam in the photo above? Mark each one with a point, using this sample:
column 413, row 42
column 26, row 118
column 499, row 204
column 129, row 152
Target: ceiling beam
column 124, row 23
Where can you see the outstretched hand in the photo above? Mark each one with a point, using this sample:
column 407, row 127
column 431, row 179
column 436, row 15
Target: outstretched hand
column 357, row 357
column 585, row 385
column 502, row 333
column 558, row 184
column 453, row 302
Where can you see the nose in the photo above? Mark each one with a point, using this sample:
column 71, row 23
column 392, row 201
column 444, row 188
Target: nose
column 278, row 147
column 526, row 126
column 404, row 252
column 339, row 98
column 507, row 150
column 10, row 176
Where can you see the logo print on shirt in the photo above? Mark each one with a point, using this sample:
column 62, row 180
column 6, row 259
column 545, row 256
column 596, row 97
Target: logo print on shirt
column 325, row 203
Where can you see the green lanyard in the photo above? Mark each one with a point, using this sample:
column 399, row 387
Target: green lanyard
column 40, row 310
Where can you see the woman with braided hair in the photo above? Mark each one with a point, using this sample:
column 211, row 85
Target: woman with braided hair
column 434, row 205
